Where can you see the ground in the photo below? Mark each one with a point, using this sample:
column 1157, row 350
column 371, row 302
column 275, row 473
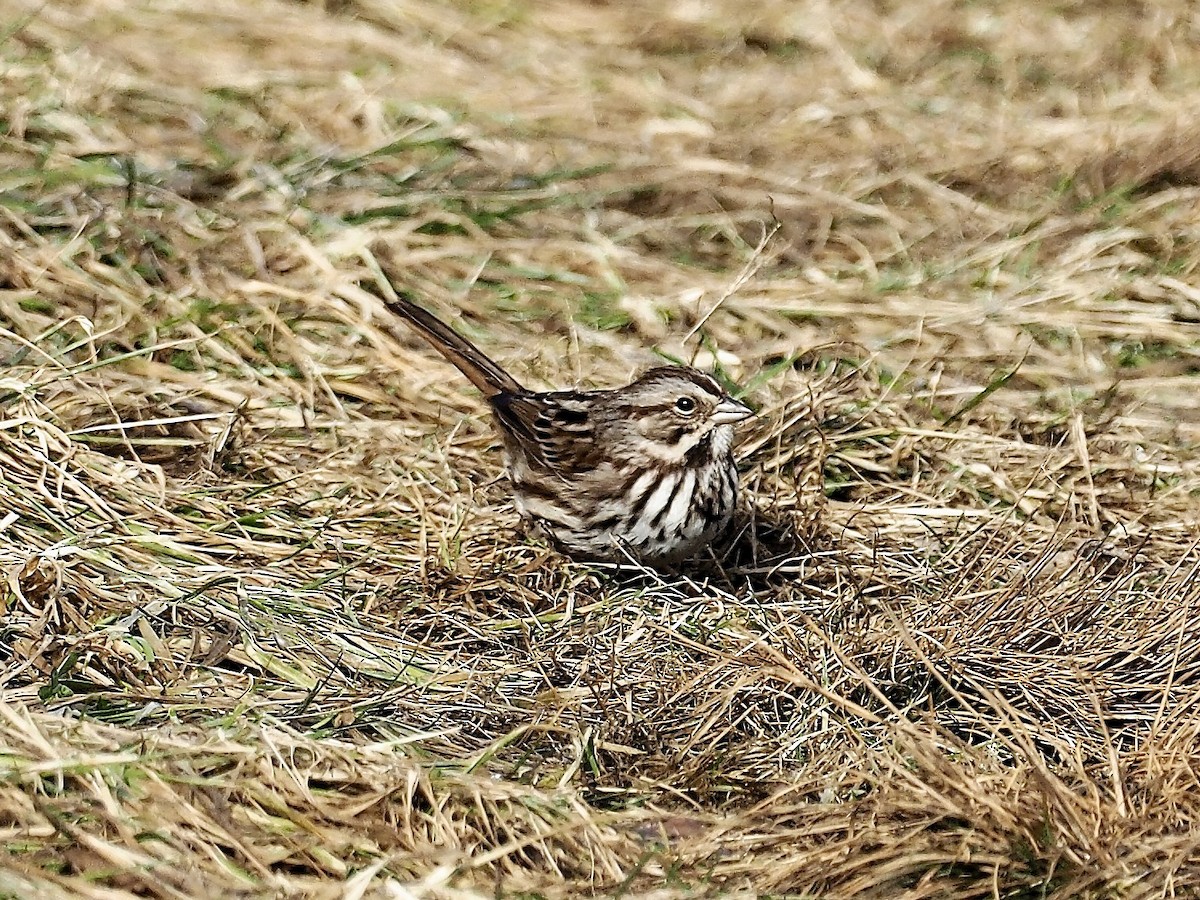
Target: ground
column 271, row 626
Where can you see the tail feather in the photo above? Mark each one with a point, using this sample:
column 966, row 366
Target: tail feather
column 469, row 359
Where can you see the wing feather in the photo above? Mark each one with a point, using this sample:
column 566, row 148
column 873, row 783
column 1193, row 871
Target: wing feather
column 554, row 430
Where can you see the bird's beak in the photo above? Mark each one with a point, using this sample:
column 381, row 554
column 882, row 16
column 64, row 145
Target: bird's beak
column 729, row 411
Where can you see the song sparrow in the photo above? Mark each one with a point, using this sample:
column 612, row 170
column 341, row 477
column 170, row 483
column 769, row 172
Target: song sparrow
column 645, row 470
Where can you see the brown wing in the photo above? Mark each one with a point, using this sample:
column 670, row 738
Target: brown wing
column 470, row 360
column 554, row 430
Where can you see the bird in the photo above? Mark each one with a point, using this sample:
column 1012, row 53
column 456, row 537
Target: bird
column 640, row 474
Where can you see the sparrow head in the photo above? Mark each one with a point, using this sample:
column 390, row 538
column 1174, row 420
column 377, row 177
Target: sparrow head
column 670, row 410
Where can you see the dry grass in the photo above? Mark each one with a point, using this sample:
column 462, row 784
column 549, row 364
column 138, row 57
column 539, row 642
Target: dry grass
column 270, row 627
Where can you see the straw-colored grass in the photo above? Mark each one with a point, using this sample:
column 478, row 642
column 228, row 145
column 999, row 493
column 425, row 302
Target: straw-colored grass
column 271, row 627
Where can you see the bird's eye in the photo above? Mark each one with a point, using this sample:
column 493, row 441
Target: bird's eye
column 685, row 405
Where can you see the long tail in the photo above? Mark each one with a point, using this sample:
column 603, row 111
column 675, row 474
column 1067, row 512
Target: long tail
column 470, row 360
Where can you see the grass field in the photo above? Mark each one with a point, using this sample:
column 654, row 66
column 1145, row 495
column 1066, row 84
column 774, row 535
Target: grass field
column 270, row 625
